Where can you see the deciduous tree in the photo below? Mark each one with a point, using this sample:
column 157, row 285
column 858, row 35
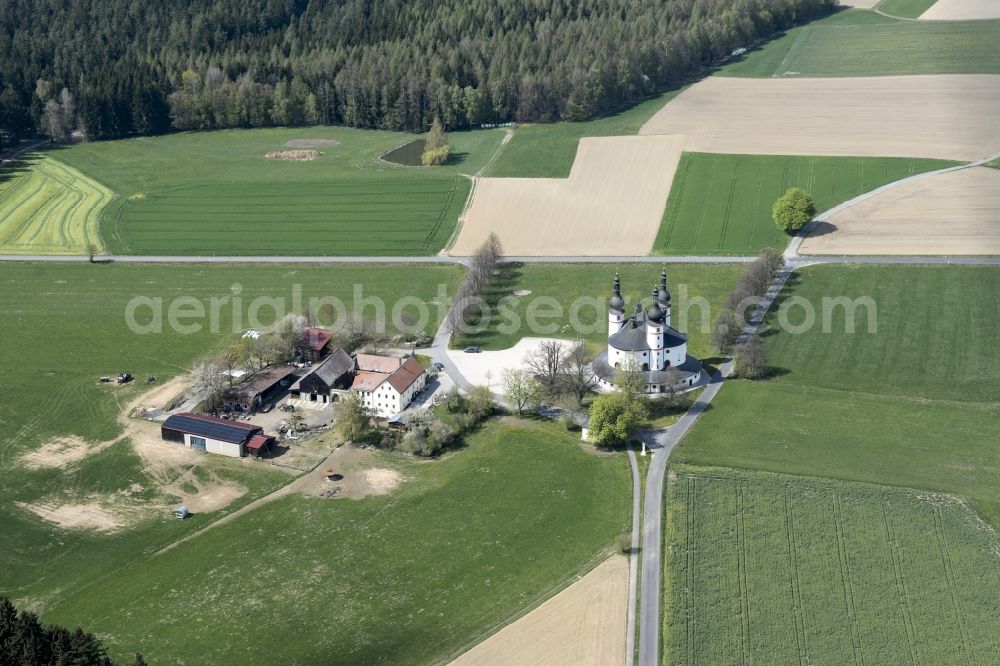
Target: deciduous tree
column 793, row 209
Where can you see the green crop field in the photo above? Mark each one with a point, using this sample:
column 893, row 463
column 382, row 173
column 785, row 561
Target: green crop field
column 905, row 8
column 780, row 570
column 214, row 193
column 863, row 43
column 698, row 291
column 721, row 204
column 47, row 207
column 409, row 578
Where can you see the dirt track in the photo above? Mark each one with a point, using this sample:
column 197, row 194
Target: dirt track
column 962, row 10
column 611, row 204
column 953, row 213
column 584, row 625
column 948, row 117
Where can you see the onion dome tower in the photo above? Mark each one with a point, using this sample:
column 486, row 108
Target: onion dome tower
column 663, row 297
column 616, row 308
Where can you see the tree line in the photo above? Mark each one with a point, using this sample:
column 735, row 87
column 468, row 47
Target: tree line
column 147, row 67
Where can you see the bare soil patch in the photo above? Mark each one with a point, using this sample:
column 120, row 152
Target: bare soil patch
column 61, row 452
column 584, row 625
column 293, row 155
column 91, row 515
column 311, row 143
column 954, row 213
column 947, row 117
column 611, row 204
column 962, row 10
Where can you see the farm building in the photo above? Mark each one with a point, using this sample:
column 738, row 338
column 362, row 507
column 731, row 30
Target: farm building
column 387, row 385
column 214, row 435
column 335, row 373
column 265, row 387
column 313, row 344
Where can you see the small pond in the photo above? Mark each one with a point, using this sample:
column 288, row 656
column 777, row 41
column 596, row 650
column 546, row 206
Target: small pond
column 408, row 154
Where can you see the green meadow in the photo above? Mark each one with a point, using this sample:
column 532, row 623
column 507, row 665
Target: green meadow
column 64, row 326
column 775, row 569
column 214, row 193
column 463, row 545
column 913, row 404
column 721, row 204
column 858, row 42
column 559, row 288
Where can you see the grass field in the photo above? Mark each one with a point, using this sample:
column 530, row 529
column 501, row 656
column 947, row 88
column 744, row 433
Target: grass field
column 781, row 569
column 405, row 579
column 914, row 404
column 215, row 193
column 548, row 150
column 933, row 338
column 64, row 326
column 721, row 204
column 863, row 43
column 47, row 207
column 905, row 8
column 561, row 285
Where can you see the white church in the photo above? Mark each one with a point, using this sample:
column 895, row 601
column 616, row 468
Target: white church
column 655, row 347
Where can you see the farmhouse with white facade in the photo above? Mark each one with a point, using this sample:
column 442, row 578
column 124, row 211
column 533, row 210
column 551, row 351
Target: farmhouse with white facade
column 387, row 385
column 647, row 343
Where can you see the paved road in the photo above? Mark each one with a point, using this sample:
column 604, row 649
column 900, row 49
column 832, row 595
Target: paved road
column 662, row 442
column 436, row 259
column 633, row 561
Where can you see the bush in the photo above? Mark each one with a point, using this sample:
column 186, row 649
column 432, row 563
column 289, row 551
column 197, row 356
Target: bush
column 567, row 421
column 480, row 405
column 793, row 209
column 454, row 400
column 625, row 543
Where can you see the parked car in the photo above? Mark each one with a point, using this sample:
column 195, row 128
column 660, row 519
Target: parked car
column 438, row 366
column 266, row 408
column 472, row 350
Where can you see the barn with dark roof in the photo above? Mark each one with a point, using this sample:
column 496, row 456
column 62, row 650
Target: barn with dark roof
column 214, row 435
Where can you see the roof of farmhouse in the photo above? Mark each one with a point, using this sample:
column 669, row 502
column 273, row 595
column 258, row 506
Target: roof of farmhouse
column 335, row 365
column 314, row 339
column 263, row 380
column 400, row 379
column 211, row 427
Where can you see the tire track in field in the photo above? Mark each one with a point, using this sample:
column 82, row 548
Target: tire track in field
column 704, row 209
column 744, row 586
column 950, row 579
column 795, row 583
column 690, row 628
column 845, row 577
column 729, row 202
column 897, row 568
column 675, row 211
column 756, row 201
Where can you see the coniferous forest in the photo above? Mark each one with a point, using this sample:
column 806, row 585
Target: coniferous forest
column 111, row 68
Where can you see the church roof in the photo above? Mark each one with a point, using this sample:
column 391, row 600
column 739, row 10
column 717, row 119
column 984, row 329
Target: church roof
column 631, row 338
column 690, row 366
